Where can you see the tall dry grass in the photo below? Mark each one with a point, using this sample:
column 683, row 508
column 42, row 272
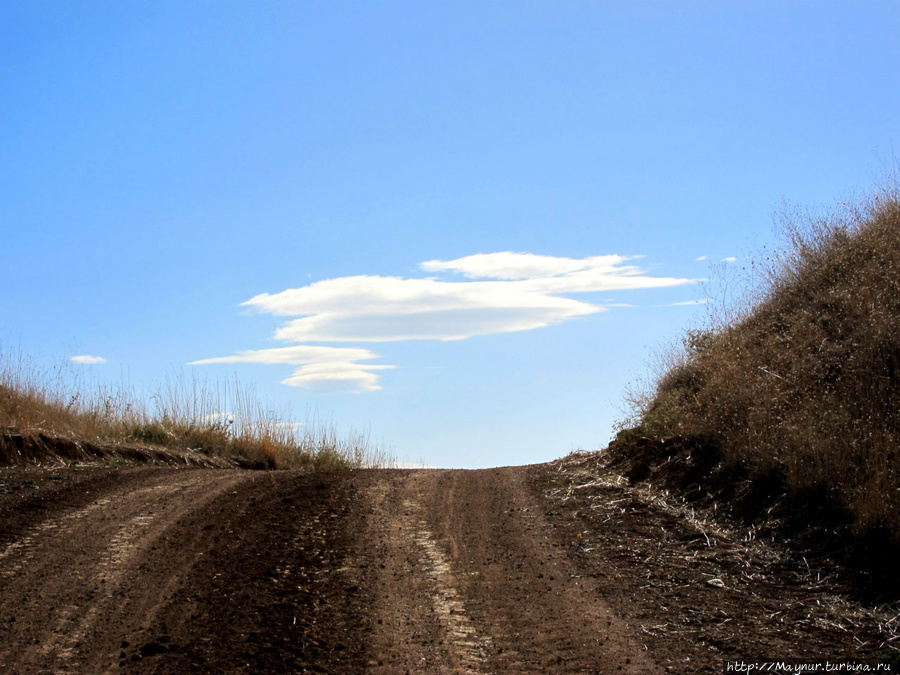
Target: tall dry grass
column 801, row 381
column 225, row 419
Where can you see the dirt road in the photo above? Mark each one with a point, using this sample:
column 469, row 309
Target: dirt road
column 544, row 569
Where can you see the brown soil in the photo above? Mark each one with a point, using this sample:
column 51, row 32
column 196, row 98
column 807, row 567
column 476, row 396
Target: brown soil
column 40, row 447
column 558, row 568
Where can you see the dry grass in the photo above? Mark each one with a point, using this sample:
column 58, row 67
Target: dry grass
column 225, row 420
column 801, row 384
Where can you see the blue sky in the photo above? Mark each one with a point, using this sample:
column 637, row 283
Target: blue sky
column 465, row 226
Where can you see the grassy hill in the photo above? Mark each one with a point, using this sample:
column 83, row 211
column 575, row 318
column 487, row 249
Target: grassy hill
column 787, row 415
column 55, row 416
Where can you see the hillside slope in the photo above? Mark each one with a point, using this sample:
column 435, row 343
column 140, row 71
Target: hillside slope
column 788, row 416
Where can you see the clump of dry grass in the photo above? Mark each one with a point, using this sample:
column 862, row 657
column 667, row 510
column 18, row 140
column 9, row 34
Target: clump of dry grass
column 224, row 420
column 802, row 383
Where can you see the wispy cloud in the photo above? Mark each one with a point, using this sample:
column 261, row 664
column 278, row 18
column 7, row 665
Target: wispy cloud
column 522, row 292
column 84, row 358
column 512, row 266
column 686, row 303
column 219, row 418
column 700, row 259
column 501, row 292
column 729, row 259
column 322, row 369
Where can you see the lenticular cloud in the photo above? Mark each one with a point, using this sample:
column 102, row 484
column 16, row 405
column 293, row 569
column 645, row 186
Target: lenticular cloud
column 86, row 358
column 500, row 293
column 506, row 292
column 513, row 266
column 322, row 369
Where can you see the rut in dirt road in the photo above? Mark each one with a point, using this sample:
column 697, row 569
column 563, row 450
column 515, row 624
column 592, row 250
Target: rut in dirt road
column 161, row 570
column 72, row 575
column 230, row 571
column 172, row 571
column 503, row 596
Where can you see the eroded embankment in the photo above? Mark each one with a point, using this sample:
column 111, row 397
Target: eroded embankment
column 41, row 448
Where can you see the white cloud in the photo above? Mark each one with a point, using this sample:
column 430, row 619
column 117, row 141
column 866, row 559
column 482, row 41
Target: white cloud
column 700, row 259
column 219, row 417
column 503, row 292
column 322, row 369
column 84, row 358
column 729, row 259
column 509, row 266
column 451, row 323
column 524, row 292
column 687, row 303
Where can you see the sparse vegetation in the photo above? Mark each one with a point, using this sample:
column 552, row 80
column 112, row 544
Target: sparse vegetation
column 224, row 421
column 790, row 408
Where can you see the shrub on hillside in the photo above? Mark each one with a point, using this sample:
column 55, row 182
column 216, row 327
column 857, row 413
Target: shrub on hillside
column 805, row 384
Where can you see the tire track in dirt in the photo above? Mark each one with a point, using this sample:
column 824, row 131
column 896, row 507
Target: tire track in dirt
column 112, row 567
column 22, row 549
column 407, row 633
column 467, row 557
column 468, row 646
column 152, row 570
column 83, row 559
column 272, row 588
column 519, row 582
